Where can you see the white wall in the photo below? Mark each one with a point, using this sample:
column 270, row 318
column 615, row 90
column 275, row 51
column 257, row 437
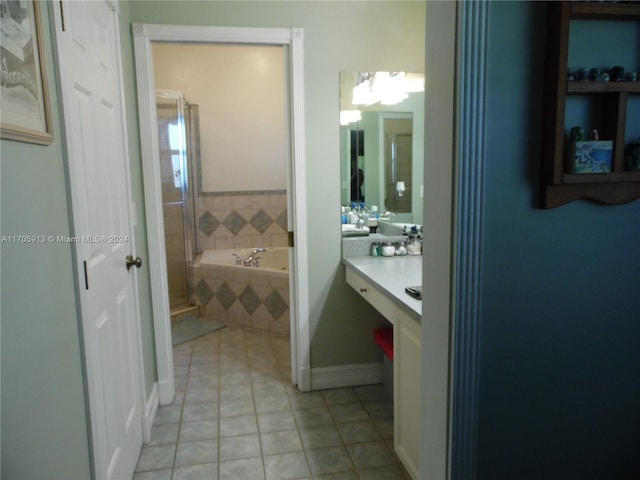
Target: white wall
column 233, row 85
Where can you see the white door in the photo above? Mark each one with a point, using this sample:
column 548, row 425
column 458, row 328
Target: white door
column 89, row 54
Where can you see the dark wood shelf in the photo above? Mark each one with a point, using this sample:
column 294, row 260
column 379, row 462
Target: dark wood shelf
column 584, row 87
column 613, row 177
column 559, row 187
column 607, row 193
column 605, row 11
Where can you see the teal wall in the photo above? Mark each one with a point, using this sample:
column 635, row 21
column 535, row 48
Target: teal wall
column 559, row 329
column 338, row 36
column 44, row 428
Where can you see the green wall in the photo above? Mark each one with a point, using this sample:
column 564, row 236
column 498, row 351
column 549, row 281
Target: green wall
column 351, row 36
column 137, row 194
column 44, row 431
column 44, row 427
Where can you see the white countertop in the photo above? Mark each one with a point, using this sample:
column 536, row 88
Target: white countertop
column 391, row 275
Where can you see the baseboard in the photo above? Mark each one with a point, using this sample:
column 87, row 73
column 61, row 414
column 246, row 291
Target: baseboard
column 346, row 376
column 150, row 410
column 304, row 379
column 166, row 390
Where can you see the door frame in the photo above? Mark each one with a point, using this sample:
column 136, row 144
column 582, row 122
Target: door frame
column 292, row 39
column 381, row 148
column 77, row 197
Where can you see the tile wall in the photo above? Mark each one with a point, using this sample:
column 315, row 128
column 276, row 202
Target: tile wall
column 233, row 221
column 242, row 220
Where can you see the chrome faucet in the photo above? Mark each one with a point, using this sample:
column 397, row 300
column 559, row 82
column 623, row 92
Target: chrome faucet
column 253, row 257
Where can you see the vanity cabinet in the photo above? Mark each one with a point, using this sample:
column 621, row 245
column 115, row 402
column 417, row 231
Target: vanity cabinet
column 371, row 294
column 406, row 391
column 609, row 114
column 406, row 368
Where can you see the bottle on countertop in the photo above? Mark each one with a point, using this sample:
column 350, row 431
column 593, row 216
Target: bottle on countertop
column 388, row 249
column 414, row 244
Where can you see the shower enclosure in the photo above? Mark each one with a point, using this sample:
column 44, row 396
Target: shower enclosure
column 178, row 144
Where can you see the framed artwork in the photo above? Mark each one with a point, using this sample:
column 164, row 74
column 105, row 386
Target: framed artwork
column 24, row 99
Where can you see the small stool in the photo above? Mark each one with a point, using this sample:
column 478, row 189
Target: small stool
column 384, row 339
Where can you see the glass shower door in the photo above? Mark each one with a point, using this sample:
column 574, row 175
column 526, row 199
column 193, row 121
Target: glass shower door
column 173, row 141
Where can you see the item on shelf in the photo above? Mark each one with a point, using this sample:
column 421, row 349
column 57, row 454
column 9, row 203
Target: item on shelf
column 605, row 77
column 593, row 135
column 591, row 156
column 582, row 74
column 617, row 73
column 577, row 134
column 632, row 157
column 631, row 76
column 594, row 75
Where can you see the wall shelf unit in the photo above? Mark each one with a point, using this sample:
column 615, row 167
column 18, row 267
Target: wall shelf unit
column 559, row 187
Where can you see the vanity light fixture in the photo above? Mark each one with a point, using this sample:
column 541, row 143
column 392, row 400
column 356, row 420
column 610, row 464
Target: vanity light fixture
column 350, row 116
column 387, row 88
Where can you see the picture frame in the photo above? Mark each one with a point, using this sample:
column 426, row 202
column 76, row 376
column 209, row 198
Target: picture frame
column 24, row 97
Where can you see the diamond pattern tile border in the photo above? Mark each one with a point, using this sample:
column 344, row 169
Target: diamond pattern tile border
column 226, row 296
column 281, row 221
column 234, row 222
column 207, row 223
column 261, row 221
column 249, row 300
column 275, row 304
column 202, row 292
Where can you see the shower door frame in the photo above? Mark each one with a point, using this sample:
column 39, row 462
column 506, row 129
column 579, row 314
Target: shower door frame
column 186, row 195
column 292, row 41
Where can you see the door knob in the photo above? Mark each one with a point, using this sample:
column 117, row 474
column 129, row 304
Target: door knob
column 131, row 262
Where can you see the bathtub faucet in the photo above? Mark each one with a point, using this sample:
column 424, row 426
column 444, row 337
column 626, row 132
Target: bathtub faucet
column 250, row 260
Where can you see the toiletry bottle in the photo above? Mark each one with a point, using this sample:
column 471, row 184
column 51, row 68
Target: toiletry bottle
column 413, row 245
column 388, row 249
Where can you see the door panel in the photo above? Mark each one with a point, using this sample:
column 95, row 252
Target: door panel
column 88, row 49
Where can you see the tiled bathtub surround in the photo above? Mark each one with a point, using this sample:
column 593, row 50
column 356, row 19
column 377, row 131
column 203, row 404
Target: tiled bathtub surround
column 237, row 220
column 234, row 221
column 236, row 416
column 243, row 297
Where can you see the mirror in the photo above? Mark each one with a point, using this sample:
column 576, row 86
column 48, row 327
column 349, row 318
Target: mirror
column 381, row 142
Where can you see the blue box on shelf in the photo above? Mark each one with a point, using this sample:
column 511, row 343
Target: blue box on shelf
column 591, row 156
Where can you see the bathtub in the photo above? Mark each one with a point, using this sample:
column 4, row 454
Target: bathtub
column 274, row 261
column 244, row 295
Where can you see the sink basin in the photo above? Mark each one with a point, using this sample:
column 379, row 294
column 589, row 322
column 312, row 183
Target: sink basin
column 349, row 230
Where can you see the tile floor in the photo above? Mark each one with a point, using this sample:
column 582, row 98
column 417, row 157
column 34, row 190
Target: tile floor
column 237, row 416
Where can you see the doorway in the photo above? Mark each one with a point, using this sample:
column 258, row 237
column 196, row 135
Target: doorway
column 398, row 161
column 291, row 40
